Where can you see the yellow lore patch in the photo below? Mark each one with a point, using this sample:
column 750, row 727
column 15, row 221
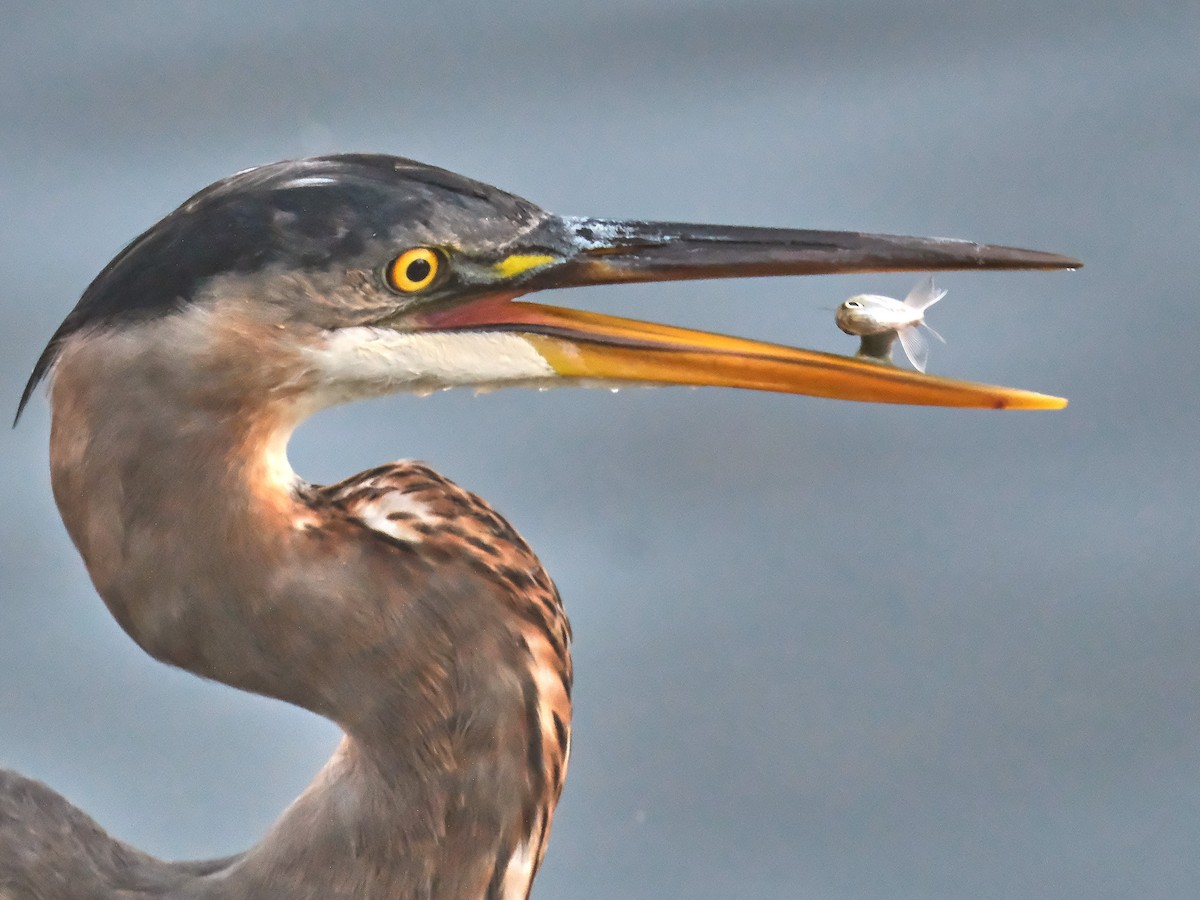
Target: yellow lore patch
column 518, row 263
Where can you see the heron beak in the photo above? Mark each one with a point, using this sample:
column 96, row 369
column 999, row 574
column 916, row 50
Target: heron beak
column 597, row 348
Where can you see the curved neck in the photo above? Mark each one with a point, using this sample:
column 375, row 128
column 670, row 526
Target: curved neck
column 216, row 559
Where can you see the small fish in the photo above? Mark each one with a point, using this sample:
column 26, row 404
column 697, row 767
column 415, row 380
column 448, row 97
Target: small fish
column 878, row 321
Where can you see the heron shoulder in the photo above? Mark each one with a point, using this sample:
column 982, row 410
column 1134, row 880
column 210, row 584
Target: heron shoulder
column 409, row 505
column 408, row 502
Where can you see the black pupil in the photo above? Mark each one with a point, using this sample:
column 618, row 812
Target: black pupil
column 418, row 270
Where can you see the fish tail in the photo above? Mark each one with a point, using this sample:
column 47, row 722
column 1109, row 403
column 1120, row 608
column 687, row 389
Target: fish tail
column 924, row 294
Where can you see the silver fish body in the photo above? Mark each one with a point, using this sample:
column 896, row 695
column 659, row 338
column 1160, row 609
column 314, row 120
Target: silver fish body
column 879, row 320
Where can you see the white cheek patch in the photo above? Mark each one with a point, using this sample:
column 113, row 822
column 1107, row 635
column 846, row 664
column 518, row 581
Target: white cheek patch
column 365, row 360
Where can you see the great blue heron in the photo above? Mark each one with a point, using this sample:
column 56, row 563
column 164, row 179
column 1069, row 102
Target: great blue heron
column 394, row 603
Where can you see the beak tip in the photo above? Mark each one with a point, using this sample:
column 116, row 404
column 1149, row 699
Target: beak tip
column 1063, row 262
column 1001, row 257
column 1031, row 400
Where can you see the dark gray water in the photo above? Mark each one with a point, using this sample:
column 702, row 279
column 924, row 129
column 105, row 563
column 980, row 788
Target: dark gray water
column 824, row 650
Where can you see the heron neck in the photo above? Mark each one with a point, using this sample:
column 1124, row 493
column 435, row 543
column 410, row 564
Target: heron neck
column 180, row 508
column 199, row 540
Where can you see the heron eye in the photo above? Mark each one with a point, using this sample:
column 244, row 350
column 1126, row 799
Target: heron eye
column 414, row 270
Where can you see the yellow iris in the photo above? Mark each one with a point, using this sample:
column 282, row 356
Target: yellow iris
column 414, row 270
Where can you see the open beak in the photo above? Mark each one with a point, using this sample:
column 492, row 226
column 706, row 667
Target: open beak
column 597, row 348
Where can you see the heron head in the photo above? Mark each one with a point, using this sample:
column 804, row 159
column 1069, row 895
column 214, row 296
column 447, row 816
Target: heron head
column 350, row 275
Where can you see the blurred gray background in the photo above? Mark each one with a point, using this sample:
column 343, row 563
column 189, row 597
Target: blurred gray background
column 823, row 649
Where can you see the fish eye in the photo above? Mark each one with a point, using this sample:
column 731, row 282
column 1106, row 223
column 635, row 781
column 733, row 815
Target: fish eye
column 414, row 270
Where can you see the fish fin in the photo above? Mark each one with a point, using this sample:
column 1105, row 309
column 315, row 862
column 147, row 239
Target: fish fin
column 924, row 294
column 916, row 348
column 933, row 331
